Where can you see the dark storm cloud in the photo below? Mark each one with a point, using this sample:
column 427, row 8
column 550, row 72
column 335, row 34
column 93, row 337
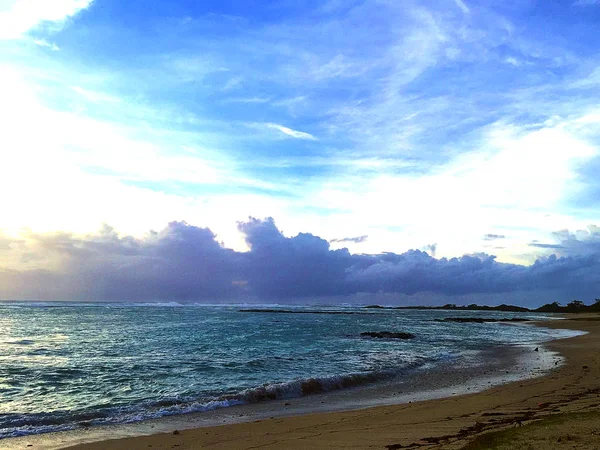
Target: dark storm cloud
column 493, row 237
column 183, row 262
column 356, row 240
column 300, row 266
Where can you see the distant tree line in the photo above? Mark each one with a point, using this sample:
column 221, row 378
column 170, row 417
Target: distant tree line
column 576, row 306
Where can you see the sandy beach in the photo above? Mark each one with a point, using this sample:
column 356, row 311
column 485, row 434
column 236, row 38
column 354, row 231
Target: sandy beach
column 537, row 410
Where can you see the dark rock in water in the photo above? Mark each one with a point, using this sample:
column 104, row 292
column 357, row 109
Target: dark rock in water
column 176, row 432
column 387, row 335
column 374, row 307
column 481, row 319
column 537, row 349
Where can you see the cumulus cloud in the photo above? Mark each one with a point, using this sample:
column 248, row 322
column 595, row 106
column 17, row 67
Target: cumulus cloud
column 187, row 263
column 180, row 261
column 580, row 242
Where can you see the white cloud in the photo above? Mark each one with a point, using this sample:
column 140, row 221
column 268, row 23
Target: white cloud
column 293, row 133
column 65, row 171
column 514, row 178
column 464, row 8
column 385, row 185
column 233, row 83
column 591, row 80
column 17, row 17
column 44, row 43
column 247, row 100
column 95, row 97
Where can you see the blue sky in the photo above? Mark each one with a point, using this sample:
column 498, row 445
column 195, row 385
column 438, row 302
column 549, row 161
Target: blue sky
column 428, row 125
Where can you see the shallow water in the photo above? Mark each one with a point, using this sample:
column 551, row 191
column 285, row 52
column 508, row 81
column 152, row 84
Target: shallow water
column 64, row 366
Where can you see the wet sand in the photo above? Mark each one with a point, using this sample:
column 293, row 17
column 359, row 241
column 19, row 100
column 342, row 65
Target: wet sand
column 449, row 422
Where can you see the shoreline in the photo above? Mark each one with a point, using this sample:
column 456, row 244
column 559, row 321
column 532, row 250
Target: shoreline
column 493, row 366
column 275, row 419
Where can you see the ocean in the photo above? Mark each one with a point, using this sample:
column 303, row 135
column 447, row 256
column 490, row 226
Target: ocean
column 66, row 365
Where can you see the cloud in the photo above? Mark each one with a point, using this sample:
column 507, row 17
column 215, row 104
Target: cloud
column 44, row 43
column 406, row 134
column 293, row 133
column 580, row 242
column 356, row 240
column 431, row 249
column 17, row 17
column 248, row 100
column 493, row 237
column 180, row 262
column 586, row 2
column 512, row 61
column 462, row 5
column 187, row 263
column 592, row 80
column 542, row 245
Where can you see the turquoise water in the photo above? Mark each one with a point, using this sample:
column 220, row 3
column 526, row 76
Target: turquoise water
column 64, row 366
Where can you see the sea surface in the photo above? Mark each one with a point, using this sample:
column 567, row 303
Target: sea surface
column 66, row 365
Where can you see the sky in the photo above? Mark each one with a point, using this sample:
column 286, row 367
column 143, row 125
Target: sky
column 343, row 151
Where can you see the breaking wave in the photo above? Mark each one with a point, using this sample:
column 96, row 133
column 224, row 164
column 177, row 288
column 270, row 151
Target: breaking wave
column 13, row 425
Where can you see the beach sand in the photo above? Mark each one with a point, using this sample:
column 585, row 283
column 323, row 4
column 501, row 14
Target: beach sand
column 537, row 414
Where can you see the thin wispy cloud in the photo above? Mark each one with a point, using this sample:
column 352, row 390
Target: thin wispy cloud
column 356, row 240
column 44, row 43
column 255, row 100
column 290, row 132
column 463, row 6
column 586, row 2
column 493, row 237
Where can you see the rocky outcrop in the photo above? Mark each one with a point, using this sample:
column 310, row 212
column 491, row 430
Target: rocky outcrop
column 387, row 335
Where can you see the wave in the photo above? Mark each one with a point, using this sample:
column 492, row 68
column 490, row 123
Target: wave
column 13, row 425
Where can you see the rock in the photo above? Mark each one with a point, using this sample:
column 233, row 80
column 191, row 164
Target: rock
column 176, row 432
column 387, row 335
